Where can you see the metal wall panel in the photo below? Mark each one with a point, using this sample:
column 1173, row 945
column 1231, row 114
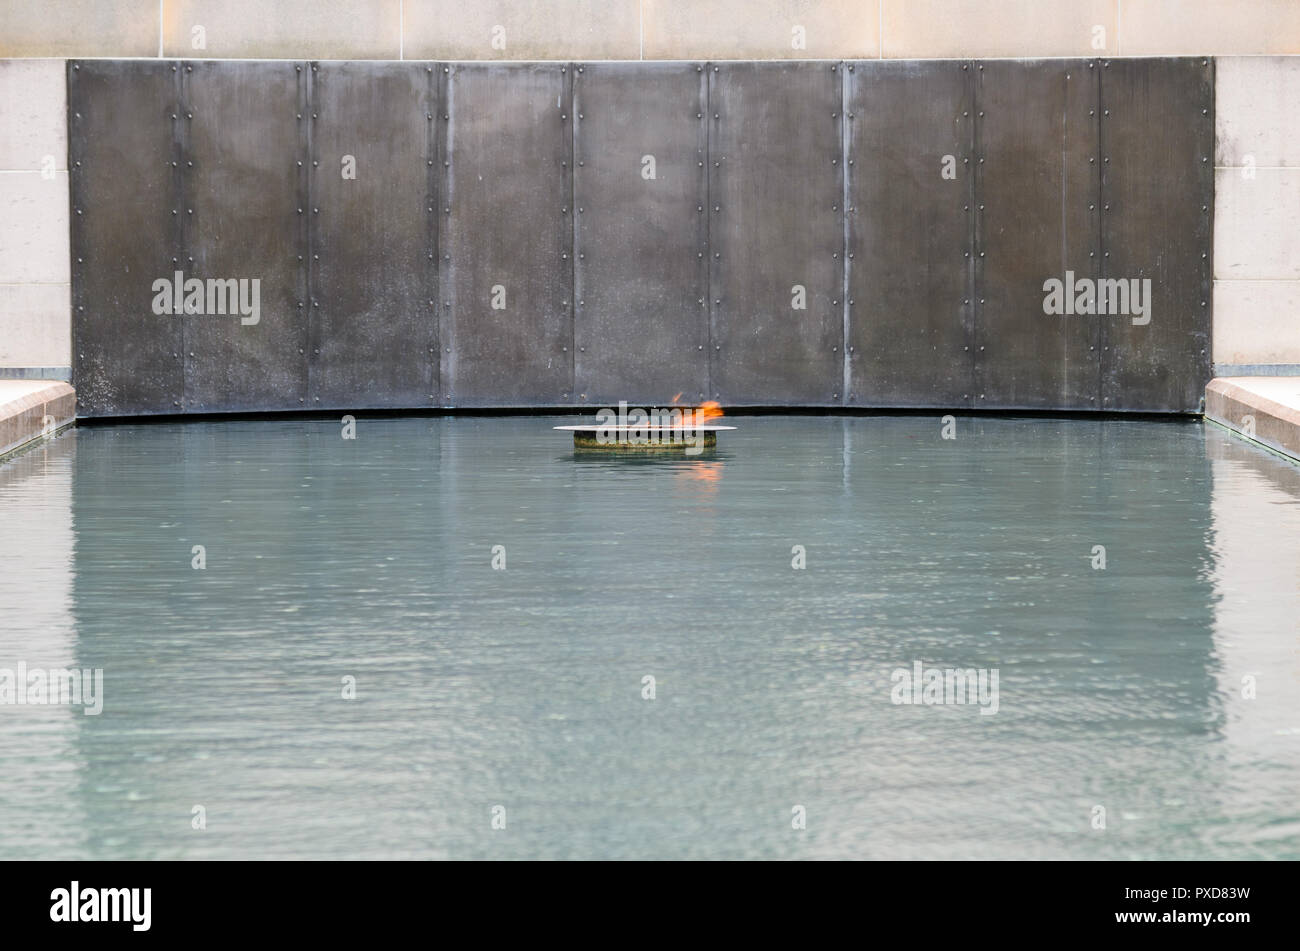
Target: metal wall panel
column 1157, row 145
column 910, row 136
column 374, row 333
column 507, row 248
column 122, row 143
column 1037, row 218
column 775, row 163
column 245, row 217
column 641, row 272
column 465, row 233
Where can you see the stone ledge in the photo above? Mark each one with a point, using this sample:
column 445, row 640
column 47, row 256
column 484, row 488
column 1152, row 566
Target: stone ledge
column 31, row 409
column 1263, row 409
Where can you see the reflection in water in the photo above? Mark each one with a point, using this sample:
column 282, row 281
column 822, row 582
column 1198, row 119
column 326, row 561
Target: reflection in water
column 371, row 559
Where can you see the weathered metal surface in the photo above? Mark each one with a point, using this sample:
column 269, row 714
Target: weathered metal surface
column 776, row 236
column 507, row 249
column 1157, row 156
column 910, row 136
column 1037, row 215
column 444, row 272
column 245, row 219
column 375, row 130
column 121, row 146
column 641, row 272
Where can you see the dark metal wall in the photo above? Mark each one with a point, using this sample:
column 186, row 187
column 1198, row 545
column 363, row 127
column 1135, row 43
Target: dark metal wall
column 861, row 234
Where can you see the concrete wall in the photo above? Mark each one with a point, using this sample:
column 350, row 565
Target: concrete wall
column 645, row 29
column 1257, row 216
column 1257, row 292
column 34, row 270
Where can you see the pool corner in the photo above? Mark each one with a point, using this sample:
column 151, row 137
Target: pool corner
column 33, row 409
column 1263, row 409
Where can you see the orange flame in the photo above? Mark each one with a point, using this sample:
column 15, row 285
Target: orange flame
column 710, row 409
column 690, row 418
